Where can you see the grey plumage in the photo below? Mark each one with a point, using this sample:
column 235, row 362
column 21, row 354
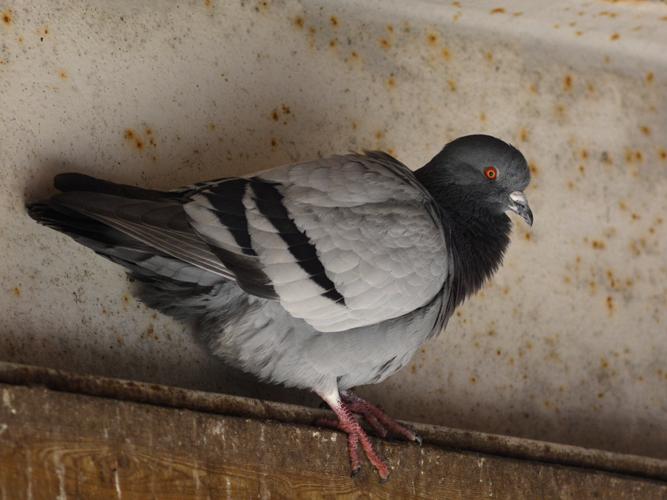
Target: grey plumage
column 323, row 275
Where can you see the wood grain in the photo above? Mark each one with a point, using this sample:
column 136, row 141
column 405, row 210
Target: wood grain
column 257, row 409
column 60, row 445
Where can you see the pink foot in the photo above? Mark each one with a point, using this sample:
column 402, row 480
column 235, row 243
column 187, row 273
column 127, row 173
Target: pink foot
column 379, row 421
column 352, row 443
column 355, row 436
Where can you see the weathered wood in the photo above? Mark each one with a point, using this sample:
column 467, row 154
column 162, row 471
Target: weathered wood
column 56, row 444
column 224, row 404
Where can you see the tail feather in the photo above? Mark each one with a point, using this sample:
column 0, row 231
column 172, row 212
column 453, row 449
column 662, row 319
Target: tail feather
column 120, row 223
column 79, row 182
column 77, row 226
column 159, row 213
column 95, row 213
column 141, row 261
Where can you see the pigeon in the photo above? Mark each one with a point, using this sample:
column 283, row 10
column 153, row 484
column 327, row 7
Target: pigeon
column 323, row 275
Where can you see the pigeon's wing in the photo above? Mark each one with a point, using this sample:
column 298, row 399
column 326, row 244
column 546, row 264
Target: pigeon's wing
column 345, row 242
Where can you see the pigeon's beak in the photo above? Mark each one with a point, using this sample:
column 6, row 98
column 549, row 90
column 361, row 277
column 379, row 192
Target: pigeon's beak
column 519, row 204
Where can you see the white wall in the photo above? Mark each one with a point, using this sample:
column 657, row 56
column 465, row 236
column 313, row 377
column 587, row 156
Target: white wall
column 567, row 343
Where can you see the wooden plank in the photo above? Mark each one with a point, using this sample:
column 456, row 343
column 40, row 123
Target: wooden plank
column 224, row 404
column 62, row 445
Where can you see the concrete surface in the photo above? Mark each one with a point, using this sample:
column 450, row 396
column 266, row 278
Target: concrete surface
column 568, row 343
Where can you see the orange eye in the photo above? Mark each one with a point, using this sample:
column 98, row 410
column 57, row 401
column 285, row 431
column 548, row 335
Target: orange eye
column 491, row 173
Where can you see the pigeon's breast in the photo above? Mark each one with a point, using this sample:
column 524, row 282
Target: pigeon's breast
column 269, row 343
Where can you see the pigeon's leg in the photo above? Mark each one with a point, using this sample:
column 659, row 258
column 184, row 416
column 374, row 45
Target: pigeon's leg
column 377, row 427
column 372, row 414
column 352, row 442
column 356, row 435
column 372, row 422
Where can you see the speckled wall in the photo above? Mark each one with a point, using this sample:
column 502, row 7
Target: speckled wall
column 567, row 343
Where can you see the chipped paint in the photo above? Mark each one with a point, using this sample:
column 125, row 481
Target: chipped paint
column 59, row 467
column 116, row 484
column 228, row 489
column 195, row 476
column 28, row 471
column 7, row 401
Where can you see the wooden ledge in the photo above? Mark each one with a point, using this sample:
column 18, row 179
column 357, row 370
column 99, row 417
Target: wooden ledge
column 81, row 436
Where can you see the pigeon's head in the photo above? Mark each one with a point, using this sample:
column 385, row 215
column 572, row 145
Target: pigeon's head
column 487, row 170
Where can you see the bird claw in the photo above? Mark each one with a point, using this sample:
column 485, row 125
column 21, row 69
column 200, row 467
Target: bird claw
column 381, row 423
column 356, row 436
column 346, row 408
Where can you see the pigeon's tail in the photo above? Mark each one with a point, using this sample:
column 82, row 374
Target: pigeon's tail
column 144, row 231
column 84, row 183
column 95, row 235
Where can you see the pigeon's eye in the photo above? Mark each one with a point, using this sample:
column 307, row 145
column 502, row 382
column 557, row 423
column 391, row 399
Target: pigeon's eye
column 491, row 173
